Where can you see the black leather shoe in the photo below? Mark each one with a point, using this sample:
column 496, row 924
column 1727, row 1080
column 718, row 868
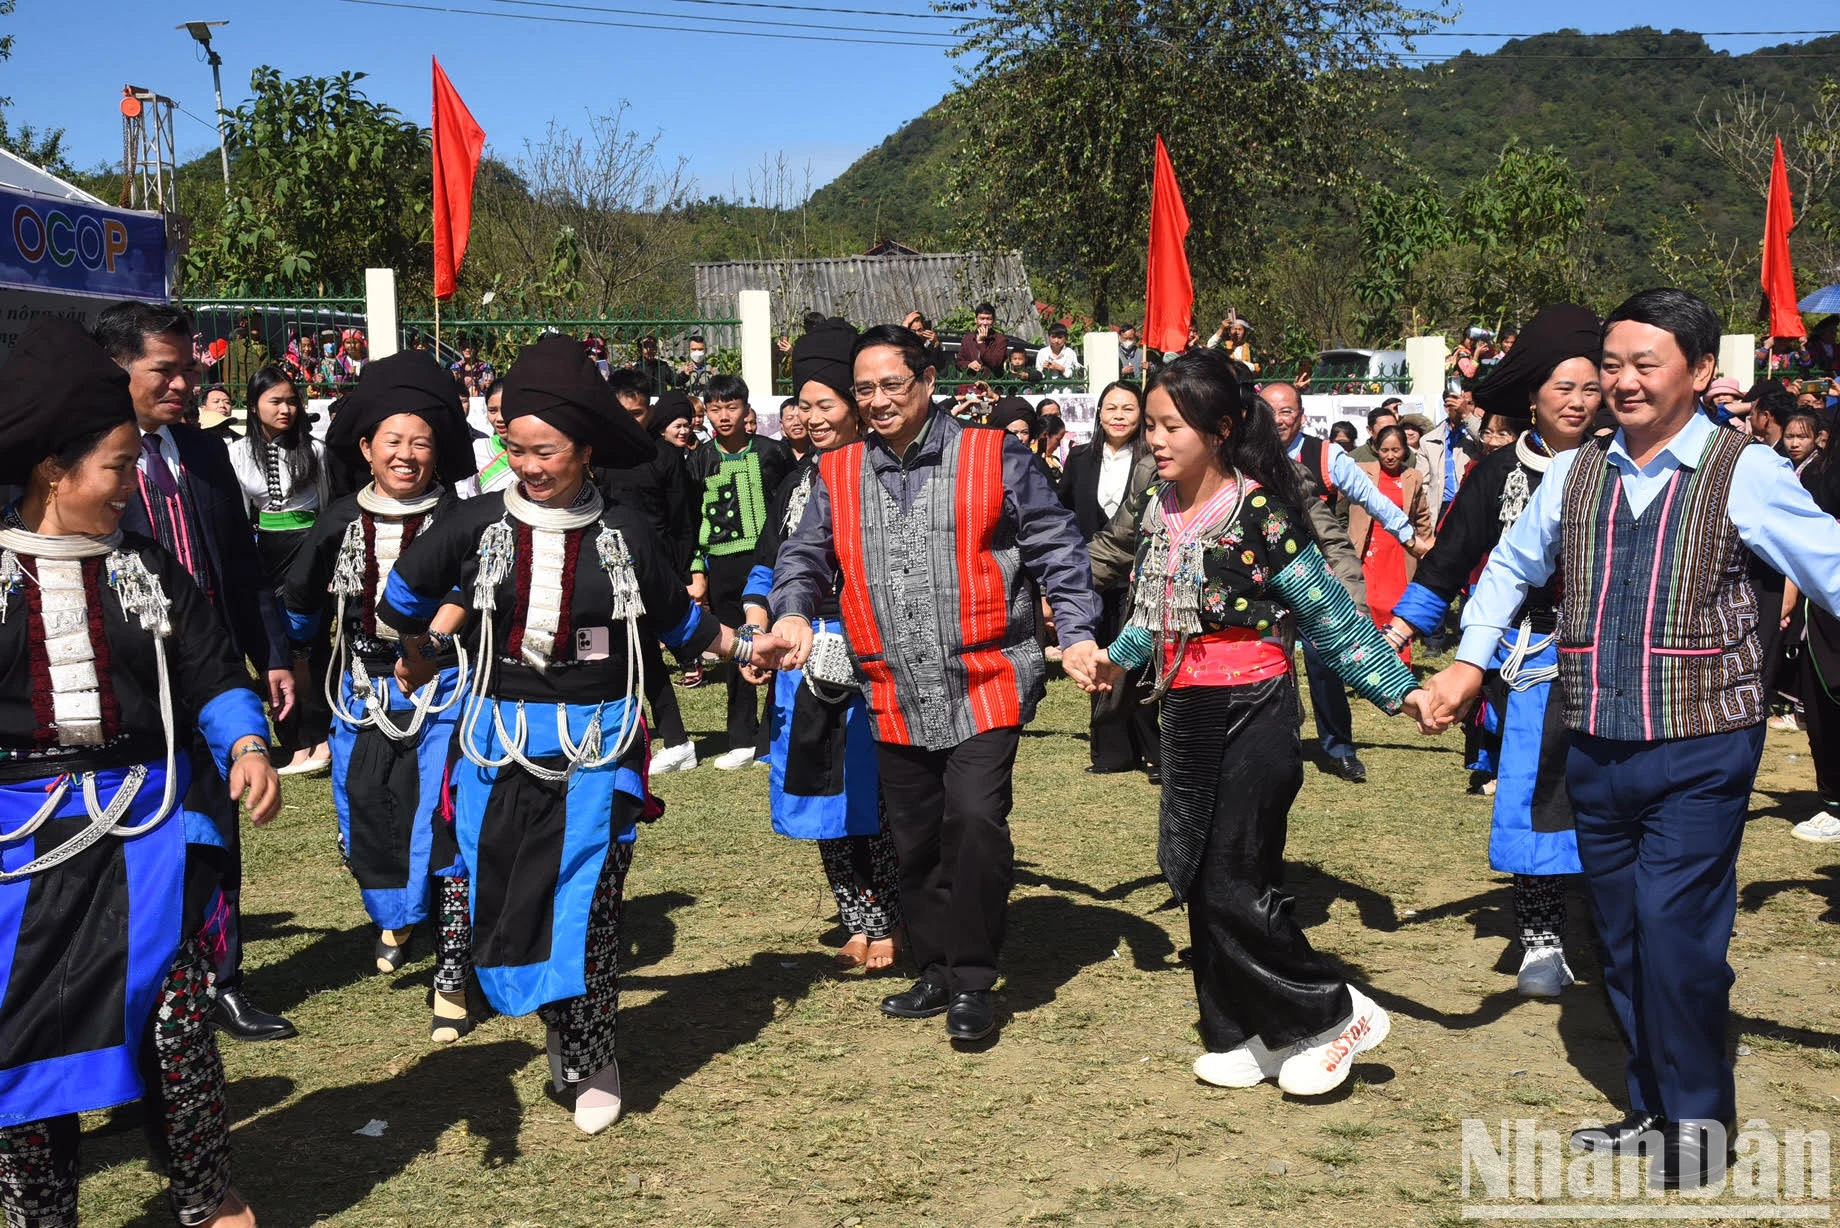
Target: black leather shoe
column 1638, row 1134
column 1095, row 770
column 1153, row 774
column 1694, row 1154
column 970, row 1017
column 923, row 1001
column 1348, row 768
column 390, row 958
column 237, row 1016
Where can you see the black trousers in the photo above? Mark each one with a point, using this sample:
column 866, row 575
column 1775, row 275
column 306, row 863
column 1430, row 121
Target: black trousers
column 1124, row 735
column 949, row 812
column 667, row 717
column 1233, row 753
column 728, row 575
column 1821, row 716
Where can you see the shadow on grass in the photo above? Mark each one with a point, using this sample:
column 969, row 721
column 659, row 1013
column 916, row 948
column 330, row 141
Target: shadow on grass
column 701, row 1015
column 334, row 959
column 303, row 1163
column 1789, row 805
column 647, row 933
column 1028, row 874
column 1824, row 885
column 1051, row 938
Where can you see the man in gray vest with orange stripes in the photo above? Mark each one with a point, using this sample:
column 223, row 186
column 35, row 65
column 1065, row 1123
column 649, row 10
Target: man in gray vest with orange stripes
column 935, row 536
column 1659, row 530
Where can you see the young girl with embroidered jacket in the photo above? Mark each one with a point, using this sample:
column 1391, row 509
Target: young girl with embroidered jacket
column 107, row 887
column 552, row 786
column 402, row 424
column 823, row 783
column 1551, row 376
column 1225, row 574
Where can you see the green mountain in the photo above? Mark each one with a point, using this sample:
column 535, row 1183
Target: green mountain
column 1620, row 107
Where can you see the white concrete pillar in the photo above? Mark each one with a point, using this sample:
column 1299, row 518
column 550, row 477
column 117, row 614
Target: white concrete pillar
column 1738, row 357
column 1099, row 351
column 382, row 326
column 1425, row 364
column 755, row 309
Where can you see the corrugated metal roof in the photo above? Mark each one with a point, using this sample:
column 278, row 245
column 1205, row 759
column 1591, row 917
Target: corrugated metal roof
column 869, row 290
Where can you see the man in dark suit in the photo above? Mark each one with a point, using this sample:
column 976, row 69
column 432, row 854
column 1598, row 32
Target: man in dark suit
column 189, row 501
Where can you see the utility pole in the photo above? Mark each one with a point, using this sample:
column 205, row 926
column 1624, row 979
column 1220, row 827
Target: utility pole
column 201, row 31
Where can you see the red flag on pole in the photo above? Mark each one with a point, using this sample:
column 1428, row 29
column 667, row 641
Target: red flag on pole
column 458, row 141
column 1169, row 294
column 1778, row 272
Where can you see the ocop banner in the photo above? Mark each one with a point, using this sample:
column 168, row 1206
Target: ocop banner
column 63, row 246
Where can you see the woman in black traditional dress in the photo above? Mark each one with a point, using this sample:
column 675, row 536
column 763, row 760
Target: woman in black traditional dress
column 404, row 426
column 824, row 783
column 552, row 787
column 1548, row 381
column 109, row 655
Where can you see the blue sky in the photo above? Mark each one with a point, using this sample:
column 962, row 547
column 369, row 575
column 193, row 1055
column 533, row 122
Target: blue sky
column 725, row 102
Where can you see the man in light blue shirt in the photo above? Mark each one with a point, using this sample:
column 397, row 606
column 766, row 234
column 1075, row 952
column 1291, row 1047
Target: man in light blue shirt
column 1659, row 532
column 1339, row 474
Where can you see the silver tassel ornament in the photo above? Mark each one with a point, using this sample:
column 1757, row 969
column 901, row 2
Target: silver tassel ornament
column 617, row 562
column 12, row 579
column 140, row 593
column 497, row 550
column 348, row 571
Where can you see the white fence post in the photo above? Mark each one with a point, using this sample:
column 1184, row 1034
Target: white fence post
column 382, row 326
column 755, row 307
column 1738, row 357
column 1100, row 354
column 1425, row 364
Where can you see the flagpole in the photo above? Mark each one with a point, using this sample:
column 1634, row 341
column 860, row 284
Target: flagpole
column 437, row 330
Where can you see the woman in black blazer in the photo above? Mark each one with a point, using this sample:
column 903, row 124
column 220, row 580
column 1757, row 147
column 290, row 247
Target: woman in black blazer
column 1099, row 479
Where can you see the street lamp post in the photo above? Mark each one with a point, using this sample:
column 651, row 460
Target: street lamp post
column 201, row 30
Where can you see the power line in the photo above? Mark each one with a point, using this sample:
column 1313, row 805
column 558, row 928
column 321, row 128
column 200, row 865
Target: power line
column 732, row 21
column 923, row 39
column 637, row 25
column 753, row 4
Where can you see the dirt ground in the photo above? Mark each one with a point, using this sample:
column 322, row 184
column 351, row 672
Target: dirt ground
column 764, row 1089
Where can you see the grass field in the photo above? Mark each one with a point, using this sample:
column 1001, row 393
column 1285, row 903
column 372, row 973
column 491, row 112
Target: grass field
column 764, row 1089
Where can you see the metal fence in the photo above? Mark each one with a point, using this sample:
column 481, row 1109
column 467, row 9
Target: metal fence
column 234, row 335
column 658, row 347
column 1338, row 379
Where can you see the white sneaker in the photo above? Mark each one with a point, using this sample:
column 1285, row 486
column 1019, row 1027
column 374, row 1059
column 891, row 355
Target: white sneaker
column 679, row 758
column 1823, row 828
column 1544, row 973
column 1247, row 1066
column 1322, row 1063
column 736, row 759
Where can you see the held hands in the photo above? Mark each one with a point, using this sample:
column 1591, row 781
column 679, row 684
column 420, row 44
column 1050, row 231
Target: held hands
column 769, row 651
column 253, row 782
column 1090, row 667
column 1445, row 698
column 793, row 634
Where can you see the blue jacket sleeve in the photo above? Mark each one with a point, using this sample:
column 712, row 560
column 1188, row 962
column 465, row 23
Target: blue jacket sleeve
column 1353, row 481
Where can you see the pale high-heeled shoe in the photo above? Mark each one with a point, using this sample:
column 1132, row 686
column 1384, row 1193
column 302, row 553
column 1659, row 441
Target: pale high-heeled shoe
column 597, row 1100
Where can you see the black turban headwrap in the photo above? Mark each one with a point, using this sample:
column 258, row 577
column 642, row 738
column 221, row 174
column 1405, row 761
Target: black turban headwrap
column 56, row 388
column 668, row 408
column 1013, row 409
column 555, row 380
column 823, row 354
column 407, row 382
column 1558, row 334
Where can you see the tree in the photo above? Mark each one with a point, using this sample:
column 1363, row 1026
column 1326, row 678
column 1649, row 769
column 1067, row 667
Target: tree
column 1398, row 229
column 1258, row 102
column 1526, row 218
column 41, row 147
column 324, row 183
column 580, row 223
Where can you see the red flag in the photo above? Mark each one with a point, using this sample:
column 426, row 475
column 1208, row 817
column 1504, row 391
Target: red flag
column 1778, row 272
column 1169, row 294
column 458, row 140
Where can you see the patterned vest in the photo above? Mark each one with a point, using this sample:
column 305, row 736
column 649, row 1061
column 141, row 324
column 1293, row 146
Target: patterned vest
column 937, row 607
column 1658, row 622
